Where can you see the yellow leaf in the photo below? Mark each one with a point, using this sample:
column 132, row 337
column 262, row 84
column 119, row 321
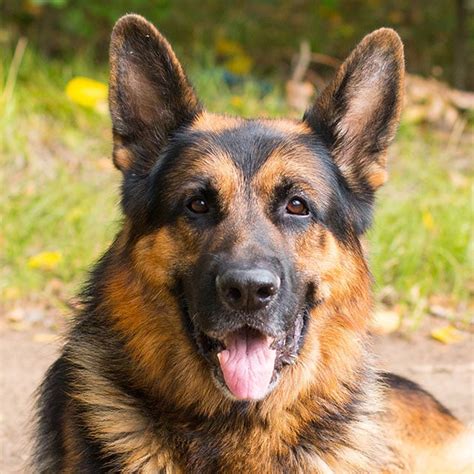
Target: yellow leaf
column 428, row 220
column 236, row 101
column 447, row 335
column 75, row 214
column 239, row 64
column 87, row 92
column 227, row 47
column 45, row 260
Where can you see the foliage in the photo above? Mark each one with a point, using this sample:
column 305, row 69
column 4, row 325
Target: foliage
column 267, row 31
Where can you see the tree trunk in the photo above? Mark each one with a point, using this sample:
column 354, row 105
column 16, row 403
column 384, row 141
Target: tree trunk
column 460, row 59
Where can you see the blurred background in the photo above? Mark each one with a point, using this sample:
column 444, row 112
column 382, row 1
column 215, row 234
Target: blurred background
column 59, row 199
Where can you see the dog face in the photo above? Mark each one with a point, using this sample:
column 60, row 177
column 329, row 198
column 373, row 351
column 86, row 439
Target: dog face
column 249, row 225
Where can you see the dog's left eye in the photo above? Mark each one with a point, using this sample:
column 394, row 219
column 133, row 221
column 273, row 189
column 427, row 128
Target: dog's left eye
column 297, row 206
column 198, row 206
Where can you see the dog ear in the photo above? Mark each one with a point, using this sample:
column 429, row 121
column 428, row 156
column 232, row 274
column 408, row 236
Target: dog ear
column 358, row 112
column 150, row 96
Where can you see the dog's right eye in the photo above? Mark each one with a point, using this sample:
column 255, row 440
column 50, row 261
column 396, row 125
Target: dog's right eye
column 198, row 206
column 297, row 207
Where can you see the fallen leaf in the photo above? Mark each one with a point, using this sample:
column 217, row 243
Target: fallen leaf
column 385, row 322
column 447, row 335
column 240, row 65
column 237, row 60
column 428, row 220
column 236, row 101
column 226, row 47
column 45, row 260
column 87, row 92
column 75, row 214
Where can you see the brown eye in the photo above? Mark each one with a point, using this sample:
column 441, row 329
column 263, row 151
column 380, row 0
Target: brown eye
column 198, row 206
column 297, row 207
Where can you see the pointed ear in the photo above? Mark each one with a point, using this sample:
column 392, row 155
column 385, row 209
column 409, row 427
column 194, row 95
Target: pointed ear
column 358, row 113
column 150, row 96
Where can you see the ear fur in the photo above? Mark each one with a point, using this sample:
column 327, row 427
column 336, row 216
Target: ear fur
column 358, row 112
column 150, row 96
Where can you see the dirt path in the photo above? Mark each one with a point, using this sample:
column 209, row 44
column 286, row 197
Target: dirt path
column 447, row 371
column 23, row 363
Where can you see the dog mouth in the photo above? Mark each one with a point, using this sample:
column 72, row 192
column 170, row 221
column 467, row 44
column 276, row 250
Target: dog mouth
column 246, row 362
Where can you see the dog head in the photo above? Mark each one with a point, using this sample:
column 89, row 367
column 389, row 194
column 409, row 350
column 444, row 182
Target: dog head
column 252, row 226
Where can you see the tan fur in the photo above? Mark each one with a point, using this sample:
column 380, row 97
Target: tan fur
column 112, row 417
column 430, row 441
column 293, row 161
column 209, row 122
column 70, row 434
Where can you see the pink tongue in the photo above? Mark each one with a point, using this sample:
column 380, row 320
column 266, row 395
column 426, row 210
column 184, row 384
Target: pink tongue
column 247, row 364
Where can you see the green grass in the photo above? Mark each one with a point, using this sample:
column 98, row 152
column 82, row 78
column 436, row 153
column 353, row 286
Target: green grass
column 421, row 242
column 60, row 188
column 61, row 191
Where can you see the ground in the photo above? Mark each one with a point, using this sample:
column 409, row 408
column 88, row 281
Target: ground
column 447, row 371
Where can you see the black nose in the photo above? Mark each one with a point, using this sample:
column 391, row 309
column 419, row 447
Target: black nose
column 247, row 289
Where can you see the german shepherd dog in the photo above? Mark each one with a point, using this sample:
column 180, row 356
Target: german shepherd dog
column 225, row 329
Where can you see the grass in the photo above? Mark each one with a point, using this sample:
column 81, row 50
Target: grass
column 61, row 190
column 421, row 241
